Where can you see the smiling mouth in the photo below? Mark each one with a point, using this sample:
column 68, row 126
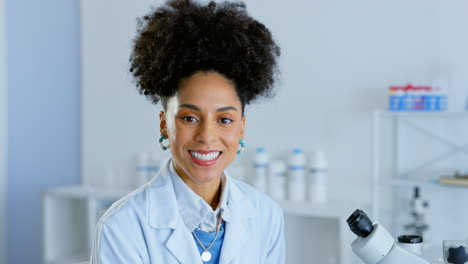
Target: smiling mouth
column 205, row 157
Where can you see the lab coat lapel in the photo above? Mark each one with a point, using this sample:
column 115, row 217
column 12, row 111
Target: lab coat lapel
column 240, row 226
column 235, row 237
column 164, row 213
column 182, row 245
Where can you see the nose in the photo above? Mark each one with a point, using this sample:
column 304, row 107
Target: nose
column 206, row 132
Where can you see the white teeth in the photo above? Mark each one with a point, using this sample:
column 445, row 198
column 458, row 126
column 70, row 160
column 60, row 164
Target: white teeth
column 205, row 157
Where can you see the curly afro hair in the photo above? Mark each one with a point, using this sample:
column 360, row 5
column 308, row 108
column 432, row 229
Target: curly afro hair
column 183, row 37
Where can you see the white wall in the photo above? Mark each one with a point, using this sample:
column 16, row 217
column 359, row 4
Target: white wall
column 3, row 132
column 338, row 58
column 112, row 110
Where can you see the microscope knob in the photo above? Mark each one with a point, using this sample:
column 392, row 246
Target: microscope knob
column 457, row 255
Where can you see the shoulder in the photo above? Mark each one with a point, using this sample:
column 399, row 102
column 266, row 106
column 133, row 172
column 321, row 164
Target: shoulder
column 128, row 210
column 120, row 228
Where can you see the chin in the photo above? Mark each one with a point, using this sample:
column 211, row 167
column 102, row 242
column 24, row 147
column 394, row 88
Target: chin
column 205, row 176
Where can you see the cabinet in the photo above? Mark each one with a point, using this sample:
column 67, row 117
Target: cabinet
column 414, row 149
column 70, row 214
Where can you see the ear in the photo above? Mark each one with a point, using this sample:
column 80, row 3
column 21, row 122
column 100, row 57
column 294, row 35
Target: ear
column 162, row 123
column 242, row 134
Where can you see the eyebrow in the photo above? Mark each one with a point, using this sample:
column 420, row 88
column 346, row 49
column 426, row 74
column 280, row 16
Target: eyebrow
column 196, row 108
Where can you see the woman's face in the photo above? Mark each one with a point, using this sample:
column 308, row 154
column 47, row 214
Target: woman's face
column 204, row 123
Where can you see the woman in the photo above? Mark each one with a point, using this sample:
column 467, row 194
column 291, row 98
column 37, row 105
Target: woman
column 205, row 63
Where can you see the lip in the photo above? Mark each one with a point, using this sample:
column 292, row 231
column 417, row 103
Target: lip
column 203, row 162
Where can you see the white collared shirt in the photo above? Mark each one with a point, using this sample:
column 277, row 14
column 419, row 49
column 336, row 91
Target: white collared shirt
column 196, row 212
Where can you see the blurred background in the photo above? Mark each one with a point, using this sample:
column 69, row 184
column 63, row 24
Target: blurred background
column 372, row 101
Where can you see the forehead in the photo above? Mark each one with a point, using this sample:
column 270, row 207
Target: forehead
column 206, row 89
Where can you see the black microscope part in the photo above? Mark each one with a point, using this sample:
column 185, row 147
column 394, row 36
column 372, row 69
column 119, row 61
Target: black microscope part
column 360, row 224
column 416, row 192
column 457, row 255
column 410, row 239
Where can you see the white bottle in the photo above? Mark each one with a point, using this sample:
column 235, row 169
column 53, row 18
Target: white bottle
column 259, row 180
column 277, row 180
column 296, row 176
column 142, row 169
column 317, row 180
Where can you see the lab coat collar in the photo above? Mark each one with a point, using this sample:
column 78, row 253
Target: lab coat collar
column 162, row 205
column 239, row 227
column 163, row 209
column 194, row 211
column 164, row 213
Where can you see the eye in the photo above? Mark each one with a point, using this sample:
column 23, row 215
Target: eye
column 226, row 120
column 188, row 119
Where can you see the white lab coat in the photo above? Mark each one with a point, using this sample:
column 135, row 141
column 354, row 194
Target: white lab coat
column 146, row 227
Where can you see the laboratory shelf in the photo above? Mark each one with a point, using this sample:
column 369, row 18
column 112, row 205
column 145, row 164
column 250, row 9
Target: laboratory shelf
column 409, row 183
column 70, row 214
column 72, row 259
column 80, row 191
column 330, row 209
column 415, row 149
column 419, row 122
column 429, row 114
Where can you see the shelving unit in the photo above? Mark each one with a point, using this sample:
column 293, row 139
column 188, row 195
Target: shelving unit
column 439, row 147
column 70, row 215
column 404, row 178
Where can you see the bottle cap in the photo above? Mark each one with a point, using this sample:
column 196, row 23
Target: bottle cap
column 261, row 158
column 297, row 159
column 297, row 151
column 261, row 150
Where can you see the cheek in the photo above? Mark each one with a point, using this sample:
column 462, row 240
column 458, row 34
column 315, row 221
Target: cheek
column 231, row 138
column 181, row 136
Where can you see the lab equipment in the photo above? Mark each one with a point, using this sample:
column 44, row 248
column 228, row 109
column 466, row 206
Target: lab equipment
column 418, row 208
column 417, row 98
column 454, row 251
column 277, row 180
column 374, row 243
column 260, row 170
column 296, row 176
column 317, row 180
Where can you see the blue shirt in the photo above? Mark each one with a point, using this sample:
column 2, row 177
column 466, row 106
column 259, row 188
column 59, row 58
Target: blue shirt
column 207, row 238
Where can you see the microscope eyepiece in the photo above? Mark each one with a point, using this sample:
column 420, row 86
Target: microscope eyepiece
column 360, row 224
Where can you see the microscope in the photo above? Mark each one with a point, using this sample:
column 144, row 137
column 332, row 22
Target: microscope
column 374, row 243
column 418, row 208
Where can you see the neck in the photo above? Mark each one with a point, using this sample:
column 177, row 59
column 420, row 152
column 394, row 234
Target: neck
column 210, row 192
